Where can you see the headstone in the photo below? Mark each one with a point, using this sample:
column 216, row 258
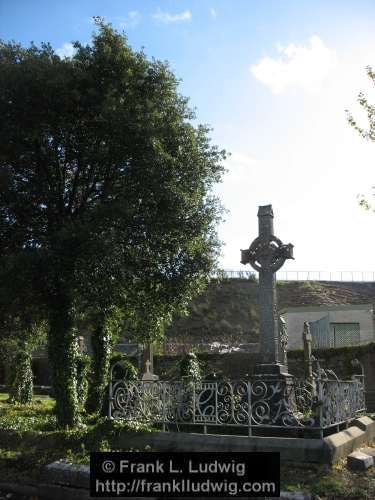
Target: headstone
column 148, row 376
column 283, row 344
column 147, row 355
column 370, row 452
column 82, row 345
column 359, row 461
column 266, row 255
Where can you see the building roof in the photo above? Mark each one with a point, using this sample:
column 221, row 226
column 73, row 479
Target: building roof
column 329, row 307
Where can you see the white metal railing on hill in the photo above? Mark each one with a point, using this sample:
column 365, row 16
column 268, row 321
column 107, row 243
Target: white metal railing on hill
column 364, row 276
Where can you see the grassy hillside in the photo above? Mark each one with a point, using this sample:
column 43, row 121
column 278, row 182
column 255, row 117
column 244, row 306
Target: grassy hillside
column 228, row 312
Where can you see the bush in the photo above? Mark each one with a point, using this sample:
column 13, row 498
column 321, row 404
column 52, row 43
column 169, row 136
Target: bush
column 125, row 369
column 22, row 384
column 190, row 367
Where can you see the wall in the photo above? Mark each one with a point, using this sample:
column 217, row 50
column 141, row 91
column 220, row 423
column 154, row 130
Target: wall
column 239, row 365
column 355, row 314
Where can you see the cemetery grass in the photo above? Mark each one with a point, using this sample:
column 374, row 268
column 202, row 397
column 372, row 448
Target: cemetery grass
column 29, row 441
column 29, row 438
column 328, row 482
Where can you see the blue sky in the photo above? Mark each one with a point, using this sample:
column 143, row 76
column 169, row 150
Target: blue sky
column 273, row 78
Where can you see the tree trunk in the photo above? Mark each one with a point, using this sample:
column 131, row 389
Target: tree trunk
column 101, row 343
column 62, row 353
column 22, row 384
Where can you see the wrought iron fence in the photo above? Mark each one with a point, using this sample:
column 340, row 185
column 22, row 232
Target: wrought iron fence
column 300, row 404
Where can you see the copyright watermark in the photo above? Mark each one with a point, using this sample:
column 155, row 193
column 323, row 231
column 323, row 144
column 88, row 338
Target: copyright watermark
column 108, row 466
column 213, row 474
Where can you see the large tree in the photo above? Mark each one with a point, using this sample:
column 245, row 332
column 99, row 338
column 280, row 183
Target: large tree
column 105, row 190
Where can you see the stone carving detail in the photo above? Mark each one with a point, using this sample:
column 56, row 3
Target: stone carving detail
column 267, row 254
column 283, row 341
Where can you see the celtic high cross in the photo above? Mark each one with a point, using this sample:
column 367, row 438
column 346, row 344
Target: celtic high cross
column 267, row 254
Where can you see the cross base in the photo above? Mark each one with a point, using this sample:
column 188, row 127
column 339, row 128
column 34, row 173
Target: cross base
column 273, row 395
column 271, row 369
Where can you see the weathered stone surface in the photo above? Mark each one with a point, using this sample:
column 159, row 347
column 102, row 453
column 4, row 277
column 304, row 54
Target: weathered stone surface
column 359, row 461
column 295, row 495
column 267, row 254
column 63, row 473
column 340, row 444
column 370, row 452
column 366, row 424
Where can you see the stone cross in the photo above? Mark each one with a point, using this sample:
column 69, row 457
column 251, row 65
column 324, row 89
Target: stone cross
column 148, row 376
column 267, row 254
column 148, row 355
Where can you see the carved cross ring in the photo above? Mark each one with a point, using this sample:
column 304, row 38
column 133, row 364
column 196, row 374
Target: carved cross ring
column 269, row 254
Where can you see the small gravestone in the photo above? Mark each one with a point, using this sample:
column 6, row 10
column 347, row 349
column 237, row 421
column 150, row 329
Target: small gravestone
column 359, row 461
column 370, row 452
column 307, row 353
column 148, row 376
column 283, row 343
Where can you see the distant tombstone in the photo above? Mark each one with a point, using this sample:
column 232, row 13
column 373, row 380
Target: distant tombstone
column 283, row 342
column 82, row 345
column 307, row 351
column 148, row 376
column 147, row 355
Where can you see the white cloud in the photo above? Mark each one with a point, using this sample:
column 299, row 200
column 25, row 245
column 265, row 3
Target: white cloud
column 310, row 164
column 67, row 50
column 167, row 18
column 303, row 66
column 213, row 13
column 132, row 19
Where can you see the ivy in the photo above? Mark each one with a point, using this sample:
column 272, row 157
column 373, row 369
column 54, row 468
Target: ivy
column 62, row 353
column 125, row 369
column 83, row 366
column 190, row 368
column 104, row 333
column 22, row 385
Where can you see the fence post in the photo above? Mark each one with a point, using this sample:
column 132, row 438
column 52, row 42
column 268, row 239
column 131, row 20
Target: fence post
column 163, row 402
column 249, row 407
column 216, row 414
column 320, row 399
column 110, row 393
column 193, row 402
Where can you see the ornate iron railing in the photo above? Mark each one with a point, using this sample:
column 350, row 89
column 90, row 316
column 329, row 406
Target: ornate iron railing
column 245, row 403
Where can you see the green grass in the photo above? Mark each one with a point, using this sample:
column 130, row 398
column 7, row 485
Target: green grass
column 37, row 416
column 30, row 439
column 328, row 482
